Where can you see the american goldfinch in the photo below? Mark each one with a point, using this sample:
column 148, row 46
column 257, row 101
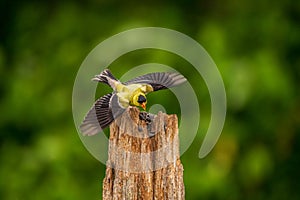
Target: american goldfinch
column 130, row 93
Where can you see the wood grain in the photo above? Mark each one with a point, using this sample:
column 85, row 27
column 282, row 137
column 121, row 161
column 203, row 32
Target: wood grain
column 143, row 160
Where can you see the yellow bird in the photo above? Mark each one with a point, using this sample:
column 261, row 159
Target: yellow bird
column 133, row 92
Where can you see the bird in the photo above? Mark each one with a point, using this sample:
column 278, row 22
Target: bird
column 130, row 93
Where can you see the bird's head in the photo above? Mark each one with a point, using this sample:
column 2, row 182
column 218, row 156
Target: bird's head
column 140, row 100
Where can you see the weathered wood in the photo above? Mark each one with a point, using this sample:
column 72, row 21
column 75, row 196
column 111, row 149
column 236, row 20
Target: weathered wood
column 142, row 165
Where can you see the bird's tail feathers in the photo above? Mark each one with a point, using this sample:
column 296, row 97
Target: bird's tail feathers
column 104, row 77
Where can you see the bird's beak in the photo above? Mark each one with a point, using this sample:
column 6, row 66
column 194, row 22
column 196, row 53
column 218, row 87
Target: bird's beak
column 144, row 105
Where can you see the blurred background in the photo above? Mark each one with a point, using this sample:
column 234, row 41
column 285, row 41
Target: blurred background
column 255, row 45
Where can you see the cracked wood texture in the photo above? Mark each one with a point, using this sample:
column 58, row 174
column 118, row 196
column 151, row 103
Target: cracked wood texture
column 143, row 160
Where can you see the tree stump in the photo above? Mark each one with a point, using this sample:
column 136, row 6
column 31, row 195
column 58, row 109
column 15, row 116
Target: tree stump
column 143, row 159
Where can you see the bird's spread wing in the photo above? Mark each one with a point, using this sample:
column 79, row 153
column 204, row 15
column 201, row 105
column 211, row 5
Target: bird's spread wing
column 159, row 80
column 102, row 114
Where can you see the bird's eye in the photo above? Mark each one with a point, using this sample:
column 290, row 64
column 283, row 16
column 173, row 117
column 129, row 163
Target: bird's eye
column 141, row 99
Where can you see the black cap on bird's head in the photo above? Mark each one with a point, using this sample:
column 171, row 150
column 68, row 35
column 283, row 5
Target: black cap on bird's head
column 142, row 100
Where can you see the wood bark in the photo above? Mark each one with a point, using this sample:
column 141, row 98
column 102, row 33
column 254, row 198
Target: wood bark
column 143, row 159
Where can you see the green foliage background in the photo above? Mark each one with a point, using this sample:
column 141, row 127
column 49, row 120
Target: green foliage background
column 255, row 44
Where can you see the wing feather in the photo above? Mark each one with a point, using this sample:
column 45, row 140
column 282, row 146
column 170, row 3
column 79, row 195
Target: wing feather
column 159, row 80
column 102, row 114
